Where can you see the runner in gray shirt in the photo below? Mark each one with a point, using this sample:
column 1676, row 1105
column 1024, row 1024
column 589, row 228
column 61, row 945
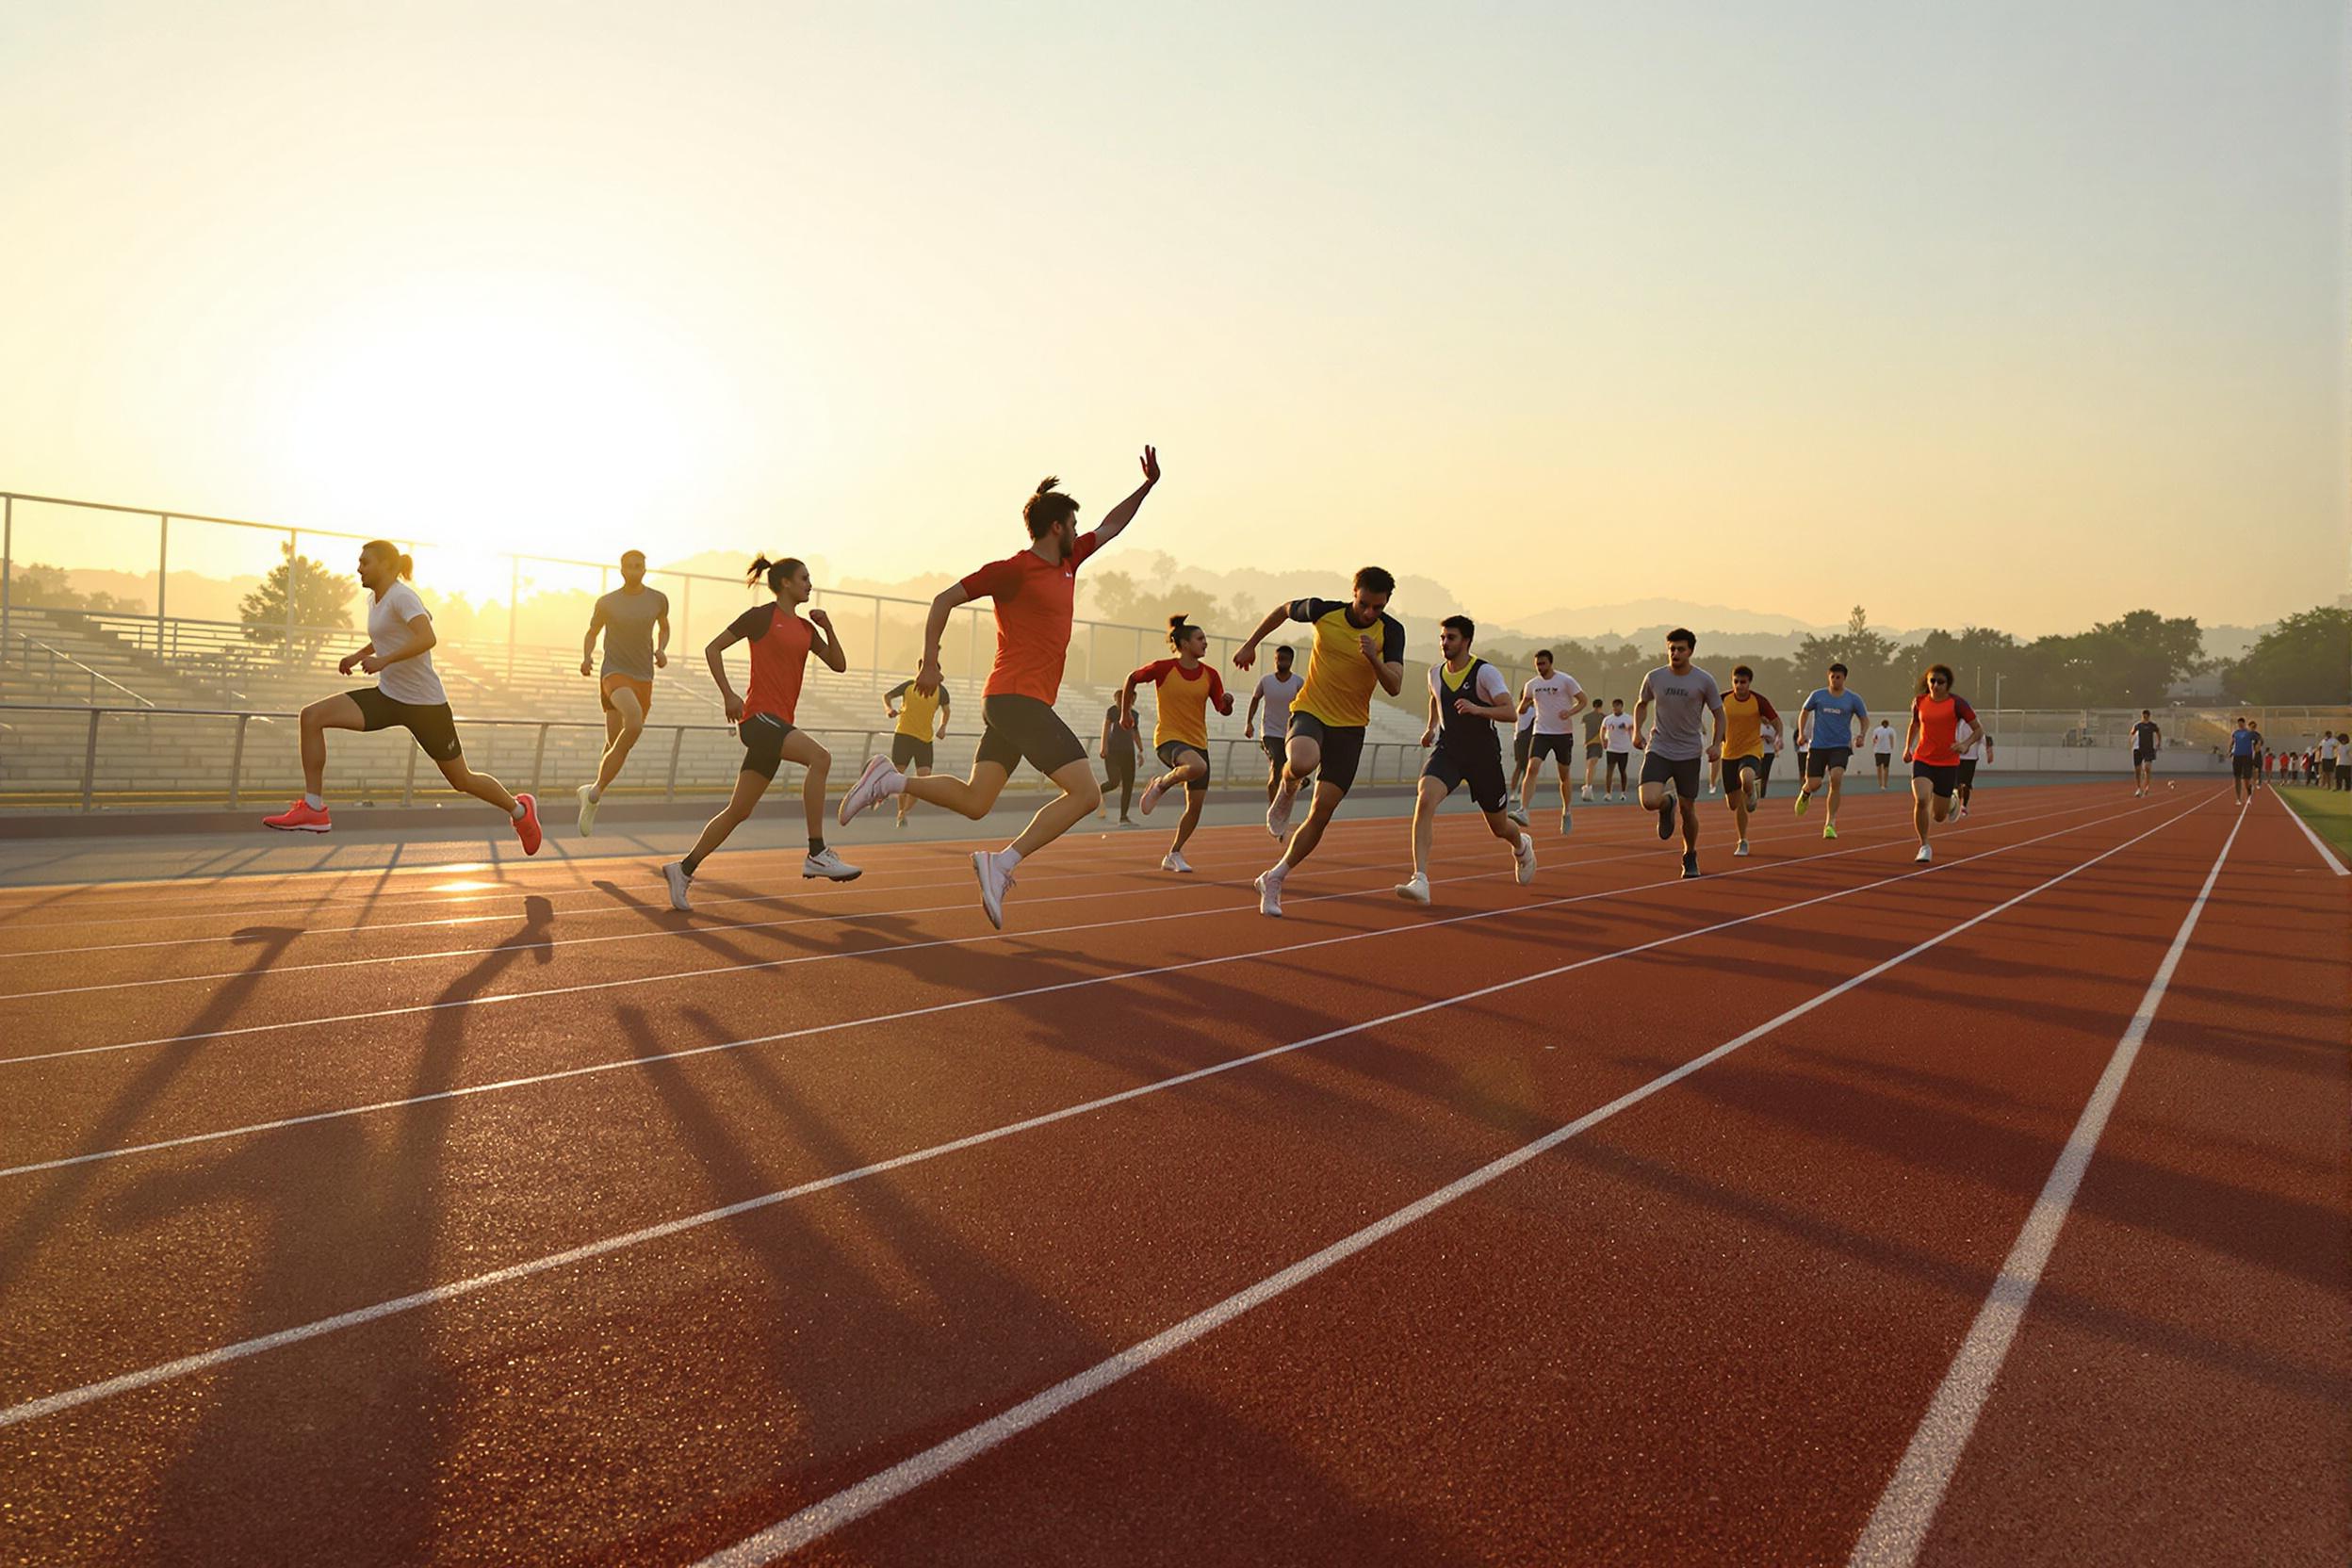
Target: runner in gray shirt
column 628, row 616
column 1677, row 692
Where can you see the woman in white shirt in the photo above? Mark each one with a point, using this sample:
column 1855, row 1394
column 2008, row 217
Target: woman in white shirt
column 407, row 693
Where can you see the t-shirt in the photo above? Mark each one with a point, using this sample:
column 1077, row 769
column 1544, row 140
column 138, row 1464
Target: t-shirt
column 1034, row 606
column 627, row 620
column 1182, row 708
column 1619, row 728
column 1277, row 695
column 1771, row 738
column 1122, row 744
column 2327, row 749
column 917, row 713
column 2144, row 735
column 1676, row 704
column 1744, row 724
column 1551, row 695
column 2241, row 741
column 779, row 640
column 1940, row 721
column 1883, row 739
column 1461, row 732
column 1834, row 714
column 1338, row 688
column 1975, row 750
column 410, row 680
column 1593, row 717
column 1524, row 722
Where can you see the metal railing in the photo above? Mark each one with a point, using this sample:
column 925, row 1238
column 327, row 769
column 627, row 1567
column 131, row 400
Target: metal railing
column 25, row 643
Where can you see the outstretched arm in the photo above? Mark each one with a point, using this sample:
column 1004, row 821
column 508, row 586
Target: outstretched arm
column 1115, row 521
column 934, row 628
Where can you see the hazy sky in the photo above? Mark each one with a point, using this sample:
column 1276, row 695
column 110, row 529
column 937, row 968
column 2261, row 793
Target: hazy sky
column 2014, row 314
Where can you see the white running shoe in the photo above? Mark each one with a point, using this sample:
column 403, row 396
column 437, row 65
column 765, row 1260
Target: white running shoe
column 1523, row 860
column 1277, row 814
column 1269, row 894
column 831, row 866
column 1152, row 794
column 1742, row 849
column 1415, row 890
column 1518, row 814
column 1923, row 856
column 1173, row 861
column 1585, row 794
column 587, row 808
column 879, row 779
column 675, row 875
column 987, row 866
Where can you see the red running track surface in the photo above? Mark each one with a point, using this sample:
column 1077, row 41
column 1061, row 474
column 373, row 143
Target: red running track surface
column 354, row 1220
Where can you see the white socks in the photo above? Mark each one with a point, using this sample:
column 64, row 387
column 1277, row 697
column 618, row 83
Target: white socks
column 1010, row 856
column 317, row 803
column 518, row 812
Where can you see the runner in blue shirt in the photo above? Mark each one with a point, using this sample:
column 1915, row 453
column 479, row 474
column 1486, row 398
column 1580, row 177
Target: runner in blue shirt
column 1825, row 729
column 2243, row 754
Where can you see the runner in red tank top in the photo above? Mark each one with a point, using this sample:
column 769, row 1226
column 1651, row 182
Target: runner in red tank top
column 1931, row 746
column 781, row 642
column 1034, row 593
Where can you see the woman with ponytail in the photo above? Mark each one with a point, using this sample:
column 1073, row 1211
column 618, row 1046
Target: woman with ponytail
column 407, row 693
column 781, row 642
column 1180, row 727
column 1933, row 745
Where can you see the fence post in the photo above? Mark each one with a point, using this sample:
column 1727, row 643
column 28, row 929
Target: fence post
column 163, row 567
column 8, row 558
column 408, row 780
column 678, row 738
column 874, row 664
column 89, row 758
column 236, row 759
column 514, row 592
column 293, row 554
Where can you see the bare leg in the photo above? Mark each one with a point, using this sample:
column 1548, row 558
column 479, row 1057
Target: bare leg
column 478, row 785
column 1425, row 804
column 1194, row 766
column 1836, row 792
column 972, row 799
column 1921, row 790
column 906, row 801
column 1690, row 826
column 623, row 724
column 1310, row 833
column 749, row 786
column 336, row 712
column 1080, row 795
column 803, row 748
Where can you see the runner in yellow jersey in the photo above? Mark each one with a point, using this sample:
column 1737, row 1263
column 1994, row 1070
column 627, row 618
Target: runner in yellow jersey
column 1746, row 712
column 1179, row 727
column 1358, row 646
column 913, row 741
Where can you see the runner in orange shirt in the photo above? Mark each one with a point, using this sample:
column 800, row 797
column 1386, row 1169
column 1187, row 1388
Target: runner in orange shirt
column 1180, row 727
column 1931, row 746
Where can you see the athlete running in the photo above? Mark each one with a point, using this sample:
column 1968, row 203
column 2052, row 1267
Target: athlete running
column 1592, row 719
column 1468, row 696
column 921, row 725
column 1617, row 735
column 1979, row 749
column 1035, row 593
column 1676, row 745
column 1746, row 713
column 1825, row 730
column 1179, row 727
column 1764, row 765
column 1275, row 691
column 1932, row 745
column 1357, row 646
column 628, row 616
column 1554, row 697
column 1118, row 751
column 1521, row 741
column 2331, row 761
column 2146, row 740
column 407, row 693
column 781, row 642
column 2243, row 741
column 1882, row 750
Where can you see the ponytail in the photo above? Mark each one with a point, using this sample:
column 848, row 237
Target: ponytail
column 1178, row 629
column 774, row 571
column 401, row 563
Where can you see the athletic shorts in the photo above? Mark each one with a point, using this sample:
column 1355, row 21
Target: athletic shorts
column 1818, row 760
column 1273, row 745
column 1734, row 768
column 2143, row 758
column 1967, row 772
column 1520, row 743
column 1683, row 775
column 1618, row 762
column 1342, row 743
column 907, row 748
column 1884, row 759
column 2241, row 767
column 430, row 723
column 1171, row 753
column 1945, row 777
column 1482, row 769
column 763, row 736
column 611, row 683
column 1561, row 747
column 1763, row 766
column 1016, row 729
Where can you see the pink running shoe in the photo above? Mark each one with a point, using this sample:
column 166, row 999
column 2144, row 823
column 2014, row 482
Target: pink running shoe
column 300, row 817
column 526, row 826
column 871, row 786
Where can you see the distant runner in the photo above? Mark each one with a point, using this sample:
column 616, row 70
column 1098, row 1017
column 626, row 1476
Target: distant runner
column 1932, row 747
column 1682, row 696
column 1276, row 690
column 1825, row 730
column 1617, row 735
column 2146, row 739
column 628, row 616
column 1179, row 727
column 922, row 724
column 1882, row 750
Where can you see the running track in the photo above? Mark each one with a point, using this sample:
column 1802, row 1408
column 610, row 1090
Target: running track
column 1826, row 1209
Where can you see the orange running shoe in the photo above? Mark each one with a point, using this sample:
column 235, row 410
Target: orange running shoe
column 526, row 826
column 300, row 817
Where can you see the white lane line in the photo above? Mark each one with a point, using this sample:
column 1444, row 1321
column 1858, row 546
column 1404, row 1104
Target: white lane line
column 2329, row 858
column 1897, row 1526
column 205, row 1360
column 853, row 1502
column 879, row 950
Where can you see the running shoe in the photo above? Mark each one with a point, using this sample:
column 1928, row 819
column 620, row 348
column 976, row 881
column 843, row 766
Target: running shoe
column 300, row 817
column 1829, row 830
column 1152, row 794
column 675, row 875
column 1517, row 813
column 1416, row 891
column 1567, row 822
column 1924, row 855
column 526, row 826
column 831, row 866
column 987, row 866
column 1126, row 822
column 1173, row 861
column 587, row 793
column 1585, row 793
column 1666, row 820
column 1269, row 894
column 1689, row 867
column 1522, row 859
column 1741, row 852
column 1964, row 810
column 1805, row 803
column 1277, row 814
column 879, row 779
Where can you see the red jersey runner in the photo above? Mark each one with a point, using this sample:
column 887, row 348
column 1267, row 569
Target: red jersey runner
column 1034, row 604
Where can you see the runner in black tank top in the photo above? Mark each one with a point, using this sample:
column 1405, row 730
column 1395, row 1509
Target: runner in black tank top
column 1467, row 697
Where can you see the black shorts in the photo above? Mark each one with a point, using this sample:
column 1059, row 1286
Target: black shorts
column 1945, row 777
column 1342, row 743
column 1273, row 746
column 1819, row 760
column 1561, row 746
column 1618, row 762
column 2241, row 767
column 1734, row 768
column 1884, row 759
column 1683, row 775
column 430, row 723
column 1481, row 769
column 1519, row 743
column 1967, row 772
column 2143, row 758
column 1119, row 766
column 763, row 736
column 907, row 748
column 1016, row 729
column 1763, row 766
column 1170, row 753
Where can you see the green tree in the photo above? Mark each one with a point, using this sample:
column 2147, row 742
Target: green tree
column 321, row 598
column 2304, row 659
column 1119, row 598
column 49, row 587
column 1870, row 658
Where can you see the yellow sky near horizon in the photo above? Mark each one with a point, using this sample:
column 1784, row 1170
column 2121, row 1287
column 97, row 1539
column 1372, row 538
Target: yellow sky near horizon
column 2014, row 317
